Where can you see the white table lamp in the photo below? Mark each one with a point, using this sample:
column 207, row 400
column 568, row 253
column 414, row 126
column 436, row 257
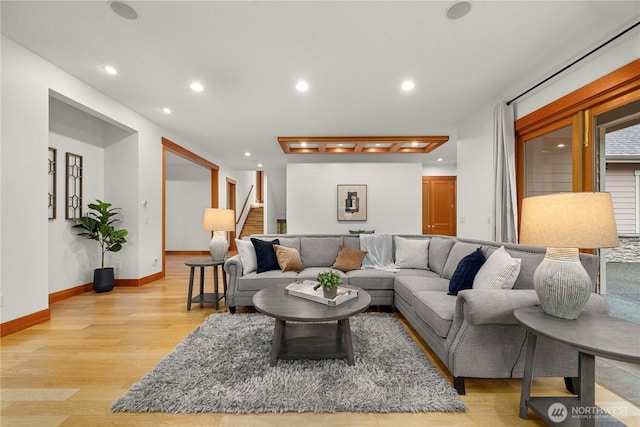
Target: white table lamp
column 565, row 222
column 219, row 221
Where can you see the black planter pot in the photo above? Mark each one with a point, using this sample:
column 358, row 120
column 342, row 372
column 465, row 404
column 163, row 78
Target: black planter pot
column 103, row 279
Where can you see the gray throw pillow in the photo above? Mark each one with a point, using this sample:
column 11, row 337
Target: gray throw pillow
column 500, row 271
column 412, row 253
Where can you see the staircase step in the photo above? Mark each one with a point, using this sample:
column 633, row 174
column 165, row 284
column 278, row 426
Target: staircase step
column 254, row 224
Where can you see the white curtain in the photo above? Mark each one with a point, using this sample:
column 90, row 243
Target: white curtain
column 506, row 202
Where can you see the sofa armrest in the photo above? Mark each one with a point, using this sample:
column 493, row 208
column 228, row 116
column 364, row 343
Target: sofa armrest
column 496, row 306
column 233, row 268
column 489, row 307
column 485, row 337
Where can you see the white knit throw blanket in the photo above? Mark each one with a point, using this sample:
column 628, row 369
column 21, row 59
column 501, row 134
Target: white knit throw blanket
column 379, row 249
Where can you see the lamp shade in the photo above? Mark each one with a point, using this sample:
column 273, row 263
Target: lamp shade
column 569, row 220
column 218, row 220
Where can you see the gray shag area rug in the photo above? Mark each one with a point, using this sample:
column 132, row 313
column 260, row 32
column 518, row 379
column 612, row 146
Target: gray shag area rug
column 223, row 366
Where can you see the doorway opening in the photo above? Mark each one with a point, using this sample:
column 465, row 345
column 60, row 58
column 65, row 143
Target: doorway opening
column 171, row 147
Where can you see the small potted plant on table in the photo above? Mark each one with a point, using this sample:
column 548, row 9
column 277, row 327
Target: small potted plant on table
column 98, row 225
column 329, row 280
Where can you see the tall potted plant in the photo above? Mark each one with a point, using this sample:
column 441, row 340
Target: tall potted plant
column 98, row 225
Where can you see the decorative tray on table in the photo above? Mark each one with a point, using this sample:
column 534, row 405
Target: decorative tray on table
column 307, row 289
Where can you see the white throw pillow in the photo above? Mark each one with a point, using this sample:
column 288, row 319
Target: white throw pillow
column 412, row 253
column 247, row 255
column 500, row 271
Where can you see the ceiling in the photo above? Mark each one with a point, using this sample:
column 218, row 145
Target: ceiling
column 354, row 55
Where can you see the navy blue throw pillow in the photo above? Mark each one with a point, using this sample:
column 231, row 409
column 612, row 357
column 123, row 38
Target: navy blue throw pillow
column 266, row 255
column 465, row 272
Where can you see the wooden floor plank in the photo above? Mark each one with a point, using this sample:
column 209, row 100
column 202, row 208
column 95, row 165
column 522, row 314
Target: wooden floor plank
column 69, row 370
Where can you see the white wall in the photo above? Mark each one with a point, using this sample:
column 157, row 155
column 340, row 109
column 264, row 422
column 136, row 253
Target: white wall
column 475, row 176
column 188, row 191
column 276, row 199
column 394, row 197
column 440, row 170
column 23, row 166
column 26, row 81
column 121, row 183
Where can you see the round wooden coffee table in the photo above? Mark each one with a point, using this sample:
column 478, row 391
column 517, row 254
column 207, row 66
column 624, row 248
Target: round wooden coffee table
column 309, row 339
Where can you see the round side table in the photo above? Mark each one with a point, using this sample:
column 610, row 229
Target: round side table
column 205, row 298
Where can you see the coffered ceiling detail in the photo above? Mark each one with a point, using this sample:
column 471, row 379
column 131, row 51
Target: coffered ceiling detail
column 360, row 144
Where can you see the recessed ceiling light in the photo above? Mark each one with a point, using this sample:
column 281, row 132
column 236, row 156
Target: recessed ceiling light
column 414, row 144
column 458, row 9
column 248, row 154
column 110, row 70
column 407, row 85
column 303, row 144
column 259, row 165
column 302, row 86
column 123, row 10
column 561, row 145
column 166, row 110
column 197, row 87
column 440, row 159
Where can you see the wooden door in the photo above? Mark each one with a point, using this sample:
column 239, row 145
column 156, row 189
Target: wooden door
column 439, row 205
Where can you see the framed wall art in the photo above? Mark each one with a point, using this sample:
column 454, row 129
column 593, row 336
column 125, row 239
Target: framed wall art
column 352, row 202
column 73, row 186
column 53, row 169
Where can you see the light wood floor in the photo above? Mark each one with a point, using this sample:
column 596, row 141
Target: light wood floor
column 68, row 371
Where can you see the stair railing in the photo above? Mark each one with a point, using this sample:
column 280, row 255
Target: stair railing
column 242, row 217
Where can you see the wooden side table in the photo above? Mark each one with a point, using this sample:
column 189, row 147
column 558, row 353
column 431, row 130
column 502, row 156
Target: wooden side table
column 205, row 298
column 591, row 334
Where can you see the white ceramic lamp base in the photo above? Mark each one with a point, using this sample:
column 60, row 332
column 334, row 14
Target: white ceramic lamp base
column 218, row 246
column 562, row 284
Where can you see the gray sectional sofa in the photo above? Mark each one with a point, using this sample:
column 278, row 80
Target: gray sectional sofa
column 474, row 333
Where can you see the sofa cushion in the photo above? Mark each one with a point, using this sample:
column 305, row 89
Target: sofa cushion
column 349, row 259
column 265, row 254
column 351, row 242
column 256, row 281
column 311, row 273
column 500, row 271
column 406, row 286
column 319, row 251
column 416, row 272
column 371, row 278
column 457, row 252
column 247, row 253
column 411, row 253
column 288, row 258
column 290, row 242
column 436, row 309
column 439, row 248
column 528, row 266
column 466, row 271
